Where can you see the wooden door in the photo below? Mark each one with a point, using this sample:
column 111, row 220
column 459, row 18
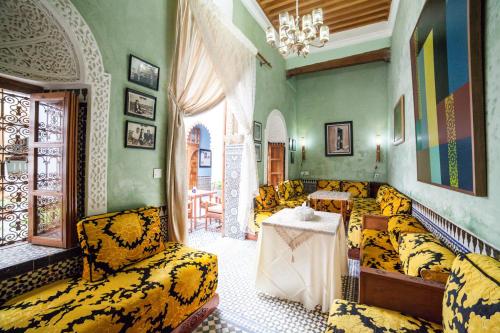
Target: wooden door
column 193, row 169
column 52, row 169
column 275, row 163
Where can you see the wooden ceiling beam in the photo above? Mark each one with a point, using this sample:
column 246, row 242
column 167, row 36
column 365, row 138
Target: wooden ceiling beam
column 351, row 13
column 359, row 22
column 358, row 59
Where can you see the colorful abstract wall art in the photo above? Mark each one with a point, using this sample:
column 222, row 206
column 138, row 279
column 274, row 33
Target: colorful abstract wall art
column 446, row 57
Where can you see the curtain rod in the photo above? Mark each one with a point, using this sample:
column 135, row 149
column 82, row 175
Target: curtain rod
column 263, row 61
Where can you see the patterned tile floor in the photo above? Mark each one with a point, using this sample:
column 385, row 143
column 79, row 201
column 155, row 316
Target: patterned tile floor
column 242, row 308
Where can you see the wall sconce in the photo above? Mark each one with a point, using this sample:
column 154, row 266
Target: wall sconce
column 303, row 145
column 378, row 141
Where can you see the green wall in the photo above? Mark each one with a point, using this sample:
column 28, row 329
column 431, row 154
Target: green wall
column 273, row 91
column 478, row 215
column 357, row 93
column 146, row 29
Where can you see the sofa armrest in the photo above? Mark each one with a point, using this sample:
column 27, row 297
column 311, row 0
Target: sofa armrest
column 375, row 222
column 395, row 291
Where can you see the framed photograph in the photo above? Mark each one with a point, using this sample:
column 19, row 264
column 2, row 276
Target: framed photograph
column 139, row 135
column 257, row 131
column 205, row 158
column 258, row 151
column 399, row 121
column 292, row 144
column 138, row 104
column 143, row 73
column 338, row 139
column 448, row 94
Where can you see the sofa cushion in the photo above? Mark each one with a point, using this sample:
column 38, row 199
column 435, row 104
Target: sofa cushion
column 402, row 224
column 153, row 295
column 267, row 197
column 360, row 208
column 292, row 203
column 285, row 190
column 424, row 251
column 348, row 316
column 325, row 205
column 328, row 185
column 377, row 251
column 114, row 240
column 383, row 193
column 471, row 300
column 357, row 189
column 395, row 203
column 298, row 186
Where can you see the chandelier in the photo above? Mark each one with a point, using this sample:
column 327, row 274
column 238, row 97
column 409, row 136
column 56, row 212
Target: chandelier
column 292, row 39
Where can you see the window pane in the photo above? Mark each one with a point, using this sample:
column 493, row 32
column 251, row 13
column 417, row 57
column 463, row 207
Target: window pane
column 49, row 169
column 48, row 212
column 50, row 121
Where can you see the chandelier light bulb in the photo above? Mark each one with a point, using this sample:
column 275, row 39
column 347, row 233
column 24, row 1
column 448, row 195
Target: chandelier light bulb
column 284, row 19
column 317, row 16
column 270, row 36
column 324, row 34
column 306, row 23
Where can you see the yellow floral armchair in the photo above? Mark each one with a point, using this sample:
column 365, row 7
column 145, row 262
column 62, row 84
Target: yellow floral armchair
column 471, row 303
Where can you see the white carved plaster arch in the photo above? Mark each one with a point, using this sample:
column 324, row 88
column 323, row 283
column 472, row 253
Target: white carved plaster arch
column 275, row 131
column 89, row 72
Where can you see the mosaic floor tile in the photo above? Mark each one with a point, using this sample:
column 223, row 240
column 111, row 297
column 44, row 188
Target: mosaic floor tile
column 242, row 308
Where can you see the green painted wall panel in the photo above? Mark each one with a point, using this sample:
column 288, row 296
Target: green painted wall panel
column 478, row 215
column 146, row 29
column 357, row 93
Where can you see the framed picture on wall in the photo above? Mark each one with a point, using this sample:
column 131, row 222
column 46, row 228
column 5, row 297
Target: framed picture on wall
column 257, row 131
column 447, row 77
column 205, row 158
column 338, row 139
column 139, row 135
column 143, row 73
column 258, row 151
column 399, row 121
column 138, row 104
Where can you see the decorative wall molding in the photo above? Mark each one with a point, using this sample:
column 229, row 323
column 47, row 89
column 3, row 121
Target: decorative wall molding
column 456, row 238
column 232, row 191
column 52, row 45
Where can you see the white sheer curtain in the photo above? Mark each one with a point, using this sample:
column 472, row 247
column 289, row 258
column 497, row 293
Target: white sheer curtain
column 234, row 63
column 211, row 55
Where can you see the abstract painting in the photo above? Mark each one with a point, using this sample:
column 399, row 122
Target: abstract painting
column 446, row 53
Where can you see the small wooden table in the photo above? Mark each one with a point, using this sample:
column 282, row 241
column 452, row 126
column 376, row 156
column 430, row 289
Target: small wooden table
column 342, row 197
column 195, row 197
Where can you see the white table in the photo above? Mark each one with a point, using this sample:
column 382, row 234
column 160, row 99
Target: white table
column 342, row 197
column 302, row 261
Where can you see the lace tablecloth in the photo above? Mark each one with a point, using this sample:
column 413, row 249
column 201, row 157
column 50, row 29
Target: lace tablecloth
column 330, row 195
column 302, row 260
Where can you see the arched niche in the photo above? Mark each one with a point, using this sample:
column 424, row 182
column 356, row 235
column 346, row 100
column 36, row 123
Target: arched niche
column 48, row 43
column 275, row 131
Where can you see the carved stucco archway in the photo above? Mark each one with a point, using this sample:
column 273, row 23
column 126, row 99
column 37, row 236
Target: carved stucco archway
column 275, row 131
column 47, row 42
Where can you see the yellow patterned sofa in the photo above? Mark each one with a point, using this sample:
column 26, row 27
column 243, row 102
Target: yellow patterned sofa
column 470, row 303
column 358, row 190
column 290, row 194
column 131, row 281
column 387, row 202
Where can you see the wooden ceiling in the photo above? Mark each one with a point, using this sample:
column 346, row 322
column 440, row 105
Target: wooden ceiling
column 339, row 15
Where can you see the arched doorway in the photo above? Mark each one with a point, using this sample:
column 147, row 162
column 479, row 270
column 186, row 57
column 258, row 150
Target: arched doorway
column 275, row 148
column 64, row 54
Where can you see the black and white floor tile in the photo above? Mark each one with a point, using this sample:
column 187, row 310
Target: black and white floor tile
column 242, row 308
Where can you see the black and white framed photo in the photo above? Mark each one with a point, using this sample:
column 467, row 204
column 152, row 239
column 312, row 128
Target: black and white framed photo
column 205, row 158
column 258, row 151
column 143, row 73
column 257, row 131
column 139, row 135
column 138, row 104
column 338, row 139
column 292, row 144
